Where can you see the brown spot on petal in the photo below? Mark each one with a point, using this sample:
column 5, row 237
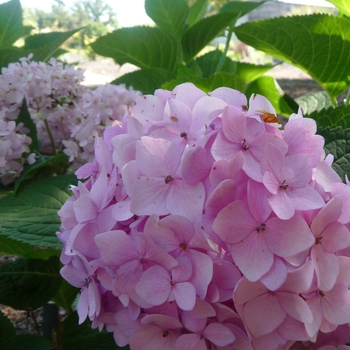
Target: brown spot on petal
column 174, row 119
column 268, row 117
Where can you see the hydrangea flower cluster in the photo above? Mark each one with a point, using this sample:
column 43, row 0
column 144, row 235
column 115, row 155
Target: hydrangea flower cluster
column 202, row 225
column 68, row 116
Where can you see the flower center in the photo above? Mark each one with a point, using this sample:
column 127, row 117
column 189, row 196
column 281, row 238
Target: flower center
column 183, row 246
column 261, row 228
column 284, row 185
column 245, row 145
column 168, row 179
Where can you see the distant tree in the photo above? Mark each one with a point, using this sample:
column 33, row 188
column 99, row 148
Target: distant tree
column 96, row 16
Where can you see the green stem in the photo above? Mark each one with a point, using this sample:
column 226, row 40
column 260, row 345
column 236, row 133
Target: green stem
column 51, row 137
column 32, row 315
column 227, row 45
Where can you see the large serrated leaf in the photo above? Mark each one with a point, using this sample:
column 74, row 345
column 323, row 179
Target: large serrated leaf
column 9, row 246
column 337, row 142
column 145, row 47
column 31, row 216
column 197, row 11
column 65, row 296
column 11, row 55
column 250, row 72
column 332, row 117
column 43, row 46
column 7, row 330
column 203, row 32
column 208, row 63
column 41, row 162
column 268, row 87
column 342, row 5
column 82, row 337
column 10, row 22
column 220, row 79
column 314, row 102
column 40, row 53
column 318, row 44
column 168, row 14
column 26, row 342
column 145, row 80
column 29, row 283
column 240, row 7
column 10, row 341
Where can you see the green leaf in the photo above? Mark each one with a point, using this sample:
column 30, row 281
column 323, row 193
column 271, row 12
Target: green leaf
column 337, row 142
column 26, row 342
column 332, row 117
column 217, row 80
column 10, row 341
column 318, row 44
column 197, row 11
column 145, row 47
column 188, row 71
column 240, row 7
column 31, row 216
column 7, row 330
column 145, row 80
column 12, row 54
column 29, row 171
column 65, row 296
column 203, row 32
column 82, row 337
column 29, row 283
column 43, row 46
column 268, row 87
column 168, row 14
column 25, row 118
column 342, row 5
column 208, row 63
column 250, row 72
column 314, row 102
column 10, row 22
column 9, row 246
column 40, row 53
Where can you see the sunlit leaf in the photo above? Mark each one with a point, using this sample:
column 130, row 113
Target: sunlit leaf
column 168, row 14
column 318, row 44
column 145, row 47
column 314, row 102
column 145, row 80
column 203, row 32
column 10, row 22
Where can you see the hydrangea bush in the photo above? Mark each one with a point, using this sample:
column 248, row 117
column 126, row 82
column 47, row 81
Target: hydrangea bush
column 201, row 224
column 68, row 116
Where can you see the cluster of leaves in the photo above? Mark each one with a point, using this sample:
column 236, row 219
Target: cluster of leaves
column 170, row 53
column 167, row 55
column 42, row 46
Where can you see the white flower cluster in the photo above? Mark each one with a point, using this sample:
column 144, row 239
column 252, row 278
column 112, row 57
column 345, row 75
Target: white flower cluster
column 68, row 116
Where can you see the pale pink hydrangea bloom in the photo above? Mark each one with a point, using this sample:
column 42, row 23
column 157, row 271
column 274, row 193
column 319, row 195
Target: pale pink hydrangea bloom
column 68, row 116
column 200, row 226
